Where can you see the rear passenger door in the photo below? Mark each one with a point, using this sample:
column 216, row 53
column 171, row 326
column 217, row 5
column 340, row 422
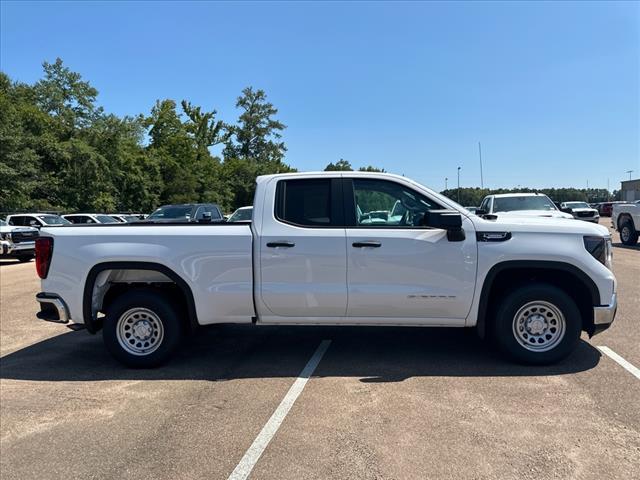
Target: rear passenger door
column 303, row 252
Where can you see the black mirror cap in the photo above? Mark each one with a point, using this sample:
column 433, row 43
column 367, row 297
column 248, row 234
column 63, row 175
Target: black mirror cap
column 445, row 219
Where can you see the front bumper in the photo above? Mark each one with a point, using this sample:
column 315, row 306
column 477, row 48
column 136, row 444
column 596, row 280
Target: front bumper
column 18, row 249
column 23, row 247
column 52, row 308
column 604, row 315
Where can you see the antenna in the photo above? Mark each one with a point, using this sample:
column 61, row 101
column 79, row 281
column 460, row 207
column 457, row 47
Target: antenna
column 629, row 172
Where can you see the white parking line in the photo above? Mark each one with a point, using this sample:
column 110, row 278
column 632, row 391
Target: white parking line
column 252, row 455
column 635, row 371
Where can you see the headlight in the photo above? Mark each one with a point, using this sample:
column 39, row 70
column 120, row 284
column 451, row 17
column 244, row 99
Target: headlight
column 4, row 236
column 600, row 248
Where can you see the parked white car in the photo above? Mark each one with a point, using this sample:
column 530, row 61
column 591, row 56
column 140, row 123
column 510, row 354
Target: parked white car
column 581, row 211
column 309, row 258
column 36, row 220
column 127, row 217
column 625, row 218
column 242, row 214
column 77, row 218
column 521, row 205
column 17, row 242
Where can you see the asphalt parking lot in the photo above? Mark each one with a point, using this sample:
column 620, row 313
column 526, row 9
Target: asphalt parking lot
column 382, row 402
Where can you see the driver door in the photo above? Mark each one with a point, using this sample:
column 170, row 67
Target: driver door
column 397, row 268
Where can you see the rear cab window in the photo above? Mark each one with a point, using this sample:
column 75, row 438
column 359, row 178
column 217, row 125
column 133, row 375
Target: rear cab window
column 312, row 202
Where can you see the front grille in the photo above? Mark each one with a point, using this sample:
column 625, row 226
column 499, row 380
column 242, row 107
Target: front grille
column 17, row 237
column 585, row 214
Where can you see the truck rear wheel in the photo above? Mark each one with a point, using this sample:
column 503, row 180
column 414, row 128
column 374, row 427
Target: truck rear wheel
column 141, row 329
column 628, row 233
column 537, row 324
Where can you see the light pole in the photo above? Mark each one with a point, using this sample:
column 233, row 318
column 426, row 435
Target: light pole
column 629, row 172
column 480, row 154
column 445, row 183
column 459, row 184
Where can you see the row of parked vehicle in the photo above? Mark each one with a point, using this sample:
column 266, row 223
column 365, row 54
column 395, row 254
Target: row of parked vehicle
column 19, row 231
column 534, row 205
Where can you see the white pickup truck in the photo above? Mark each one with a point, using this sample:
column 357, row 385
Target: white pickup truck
column 334, row 248
column 625, row 218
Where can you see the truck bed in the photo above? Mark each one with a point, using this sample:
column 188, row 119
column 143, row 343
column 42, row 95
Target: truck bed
column 214, row 260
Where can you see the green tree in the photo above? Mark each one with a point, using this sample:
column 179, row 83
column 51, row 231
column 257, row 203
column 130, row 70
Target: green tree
column 257, row 136
column 173, row 150
column 64, row 95
column 341, row 165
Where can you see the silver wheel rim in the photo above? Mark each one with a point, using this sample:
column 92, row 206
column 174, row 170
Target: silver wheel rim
column 625, row 233
column 539, row 326
column 139, row 331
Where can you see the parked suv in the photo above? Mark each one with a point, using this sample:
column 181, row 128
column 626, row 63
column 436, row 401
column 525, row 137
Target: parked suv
column 89, row 218
column 521, row 205
column 17, row 242
column 581, row 211
column 37, row 220
column 187, row 212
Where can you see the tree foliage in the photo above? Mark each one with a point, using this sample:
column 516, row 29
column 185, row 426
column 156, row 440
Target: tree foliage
column 62, row 152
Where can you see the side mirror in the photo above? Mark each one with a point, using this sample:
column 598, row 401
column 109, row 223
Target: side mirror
column 206, row 217
column 449, row 220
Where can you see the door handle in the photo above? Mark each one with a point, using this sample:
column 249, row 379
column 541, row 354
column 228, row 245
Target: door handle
column 367, row 244
column 281, row 244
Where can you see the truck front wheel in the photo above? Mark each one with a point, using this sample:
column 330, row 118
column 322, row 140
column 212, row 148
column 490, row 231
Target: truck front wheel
column 628, row 233
column 537, row 324
column 141, row 329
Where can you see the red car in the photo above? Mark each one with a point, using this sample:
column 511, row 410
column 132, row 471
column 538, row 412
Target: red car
column 605, row 209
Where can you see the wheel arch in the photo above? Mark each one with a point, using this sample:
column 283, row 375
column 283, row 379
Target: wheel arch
column 506, row 275
column 93, row 325
column 622, row 217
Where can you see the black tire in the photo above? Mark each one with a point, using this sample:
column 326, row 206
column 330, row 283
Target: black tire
column 25, row 258
column 151, row 307
column 550, row 308
column 628, row 233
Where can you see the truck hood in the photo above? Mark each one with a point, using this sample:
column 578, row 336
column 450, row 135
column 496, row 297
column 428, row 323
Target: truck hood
column 507, row 223
column 535, row 213
column 11, row 228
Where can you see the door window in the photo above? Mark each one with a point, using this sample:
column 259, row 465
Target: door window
column 381, row 203
column 305, row 203
column 32, row 222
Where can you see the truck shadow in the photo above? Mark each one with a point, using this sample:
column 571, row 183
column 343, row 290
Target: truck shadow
column 228, row 352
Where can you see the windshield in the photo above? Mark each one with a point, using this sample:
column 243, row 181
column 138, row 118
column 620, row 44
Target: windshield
column 533, row 202
column 106, row 219
column 577, row 205
column 172, row 211
column 241, row 215
column 54, row 220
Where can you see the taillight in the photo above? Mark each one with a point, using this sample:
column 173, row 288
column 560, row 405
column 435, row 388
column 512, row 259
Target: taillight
column 44, row 250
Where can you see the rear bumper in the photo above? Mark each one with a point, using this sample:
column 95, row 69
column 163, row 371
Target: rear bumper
column 604, row 315
column 52, row 308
